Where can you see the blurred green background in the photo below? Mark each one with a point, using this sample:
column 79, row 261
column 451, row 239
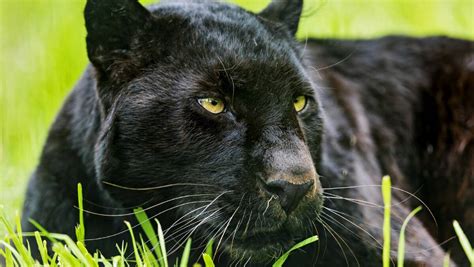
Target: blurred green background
column 42, row 54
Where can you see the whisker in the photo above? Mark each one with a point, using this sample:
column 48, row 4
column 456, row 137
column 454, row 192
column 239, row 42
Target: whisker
column 248, row 223
column 197, row 216
column 180, row 220
column 319, row 243
column 357, row 201
column 333, row 233
column 156, row 187
column 145, row 209
column 183, row 237
column 433, row 247
column 357, row 226
column 215, row 199
column 335, row 196
column 114, row 208
column 136, row 225
column 336, row 63
column 195, row 219
column 190, row 232
column 394, row 188
column 236, row 229
column 247, row 262
column 184, row 228
column 230, row 220
column 268, row 204
column 220, row 229
column 176, row 247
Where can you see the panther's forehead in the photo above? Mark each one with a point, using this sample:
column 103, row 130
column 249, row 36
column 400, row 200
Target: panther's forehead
column 222, row 30
column 199, row 12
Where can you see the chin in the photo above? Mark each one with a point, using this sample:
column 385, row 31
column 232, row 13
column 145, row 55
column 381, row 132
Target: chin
column 266, row 244
column 265, row 247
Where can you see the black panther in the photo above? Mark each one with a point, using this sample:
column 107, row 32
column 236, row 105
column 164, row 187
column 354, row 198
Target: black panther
column 221, row 125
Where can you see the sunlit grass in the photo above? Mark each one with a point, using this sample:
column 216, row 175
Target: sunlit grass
column 387, row 201
column 465, row 244
column 401, row 240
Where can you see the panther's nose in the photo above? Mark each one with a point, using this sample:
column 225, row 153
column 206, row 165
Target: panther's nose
column 289, row 194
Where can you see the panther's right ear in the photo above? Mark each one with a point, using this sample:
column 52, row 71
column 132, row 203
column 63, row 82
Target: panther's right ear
column 113, row 27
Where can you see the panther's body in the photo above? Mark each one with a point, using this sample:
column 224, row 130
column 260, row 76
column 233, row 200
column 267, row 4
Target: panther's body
column 397, row 106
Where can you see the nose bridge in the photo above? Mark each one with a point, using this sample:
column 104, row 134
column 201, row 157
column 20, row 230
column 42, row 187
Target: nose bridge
column 288, row 158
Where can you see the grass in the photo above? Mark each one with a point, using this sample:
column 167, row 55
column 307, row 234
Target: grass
column 401, row 240
column 387, row 200
column 67, row 252
column 464, row 242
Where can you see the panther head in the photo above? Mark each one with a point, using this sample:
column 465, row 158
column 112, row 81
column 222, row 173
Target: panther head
column 211, row 108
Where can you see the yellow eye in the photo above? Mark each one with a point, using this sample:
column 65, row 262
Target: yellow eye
column 300, row 103
column 213, row 105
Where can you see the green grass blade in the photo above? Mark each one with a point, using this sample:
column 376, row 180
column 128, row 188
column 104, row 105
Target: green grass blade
column 66, row 258
column 185, row 256
column 387, row 199
column 89, row 259
column 401, row 240
column 209, row 247
column 42, row 247
column 162, row 249
column 134, row 246
column 19, row 230
column 301, row 244
column 208, row 262
column 80, row 229
column 464, row 242
column 446, row 260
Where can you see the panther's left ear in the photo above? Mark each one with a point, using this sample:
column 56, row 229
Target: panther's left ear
column 287, row 12
column 114, row 28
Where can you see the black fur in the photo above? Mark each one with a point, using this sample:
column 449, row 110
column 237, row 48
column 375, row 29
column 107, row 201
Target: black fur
column 375, row 107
